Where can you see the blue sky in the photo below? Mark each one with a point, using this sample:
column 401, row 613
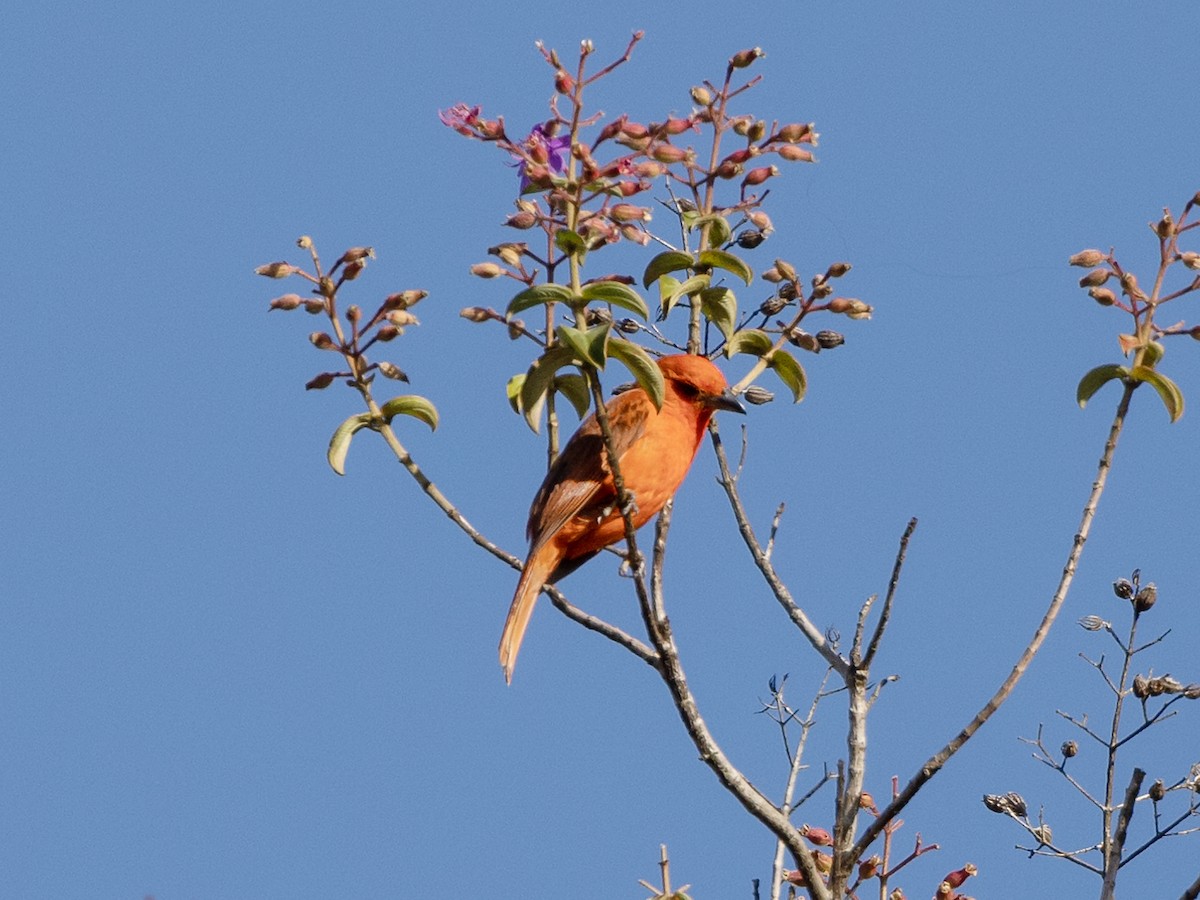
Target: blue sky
column 225, row 672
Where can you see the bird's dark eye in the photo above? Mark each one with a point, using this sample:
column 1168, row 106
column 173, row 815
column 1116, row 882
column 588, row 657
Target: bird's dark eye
column 689, row 391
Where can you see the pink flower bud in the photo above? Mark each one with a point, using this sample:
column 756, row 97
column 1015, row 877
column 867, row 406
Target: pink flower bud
column 521, row 220
column 275, row 270
column 743, row 58
column 563, row 83
column 287, row 302
column 628, row 212
column 1088, row 259
column 792, row 153
column 958, row 876
column 758, row 176
column 794, row 133
column 322, row 341
column 668, row 153
column 818, row 836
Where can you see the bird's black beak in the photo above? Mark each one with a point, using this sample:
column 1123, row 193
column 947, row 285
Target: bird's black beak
column 726, row 401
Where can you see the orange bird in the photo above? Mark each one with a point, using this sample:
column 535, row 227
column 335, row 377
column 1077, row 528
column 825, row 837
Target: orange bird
column 574, row 515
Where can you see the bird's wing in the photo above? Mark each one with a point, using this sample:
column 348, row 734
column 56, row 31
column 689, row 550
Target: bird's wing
column 579, row 482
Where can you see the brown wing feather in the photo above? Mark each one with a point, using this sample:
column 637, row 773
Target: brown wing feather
column 579, row 482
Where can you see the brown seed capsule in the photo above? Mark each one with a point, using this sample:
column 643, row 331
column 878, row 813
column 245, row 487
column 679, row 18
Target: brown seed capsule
column 743, row 58
column 1103, row 296
column 521, row 220
column 1145, row 598
column 1165, row 226
column 869, row 867
column 402, row 318
column 475, row 314
column 958, row 876
column 1069, row 749
column 354, row 312
column 818, row 836
column 1095, row 278
column 794, row 133
column 275, row 270
column 320, row 382
column 393, row 371
column 761, row 221
column 797, row 337
column 866, row 801
column 757, row 176
column 486, row 270
column 1043, row 834
column 1088, row 259
column 701, row 96
column 313, row 307
column 1158, row 790
column 1092, row 623
column 1123, row 588
column 750, row 239
column 772, row 305
column 516, row 328
column 1191, row 259
column 628, row 212
column 1141, row 687
column 510, row 252
column 322, row 341
column 668, row 153
column 629, row 326
column 357, row 254
column 387, row 333
column 287, row 302
column 793, row 153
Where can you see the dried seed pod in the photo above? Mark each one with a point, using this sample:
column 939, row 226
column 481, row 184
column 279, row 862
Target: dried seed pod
column 1069, row 749
column 1088, row 259
column 1092, row 623
column 830, row 339
column 1158, row 790
column 1145, row 598
column 757, row 396
column 1123, row 588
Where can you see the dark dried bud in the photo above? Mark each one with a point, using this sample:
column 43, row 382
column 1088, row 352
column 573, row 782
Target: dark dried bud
column 322, row 341
column 669, row 153
column 404, row 299
column 1191, row 259
column 595, row 317
column 1165, row 227
column 1069, row 749
column 475, row 314
column 1095, row 278
column 817, row 836
column 897, row 894
column 563, row 82
column 757, row 396
column 1123, row 588
column 391, row 370
column 1088, row 259
column 1011, row 803
column 829, row 339
column 1192, row 692
column 322, row 381
column 352, row 270
column 628, row 212
column 510, row 253
column 750, row 239
column 757, row 176
column 785, row 269
column 629, row 326
column 821, row 289
column 1092, row 623
column 387, row 333
column 354, row 313
column 794, row 133
column 1158, row 790
column 275, row 270
column 757, row 130
column 313, row 307
column 788, row 291
column 837, row 270
column 1145, row 598
column 772, row 305
column 1103, row 296
column 516, row 328
column 287, row 302
column 357, row 254
column 1165, row 684
column 1129, row 286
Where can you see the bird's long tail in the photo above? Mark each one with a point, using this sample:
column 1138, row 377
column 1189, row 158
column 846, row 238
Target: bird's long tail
column 537, row 569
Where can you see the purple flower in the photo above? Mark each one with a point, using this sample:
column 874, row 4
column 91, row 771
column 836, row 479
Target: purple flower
column 539, row 143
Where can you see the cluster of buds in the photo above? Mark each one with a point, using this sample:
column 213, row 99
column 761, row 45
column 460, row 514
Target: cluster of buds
column 387, row 323
column 1145, row 686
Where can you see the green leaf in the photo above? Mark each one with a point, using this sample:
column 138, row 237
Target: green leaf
column 1154, row 353
column 1096, row 379
column 411, row 405
column 718, row 228
column 750, row 341
column 339, row 444
column 538, row 381
column 589, row 346
column 720, row 306
column 722, row 259
column 617, row 294
column 538, row 295
column 668, row 261
column 790, row 372
column 575, row 389
column 513, row 390
column 570, row 242
column 693, row 285
column 1168, row 391
column 644, row 369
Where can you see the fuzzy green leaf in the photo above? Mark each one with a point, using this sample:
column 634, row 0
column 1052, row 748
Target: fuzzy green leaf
column 723, row 259
column 750, row 341
column 411, row 405
column 1096, row 379
column 719, row 305
column 617, row 294
column 1168, row 391
column 645, row 370
column 339, row 444
column 668, row 261
column 693, row 285
column 540, row 294
column 575, row 389
column 589, row 346
column 718, row 228
column 790, row 372
column 570, row 242
column 538, row 380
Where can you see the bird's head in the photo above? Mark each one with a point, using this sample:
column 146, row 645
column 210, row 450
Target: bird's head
column 697, row 380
